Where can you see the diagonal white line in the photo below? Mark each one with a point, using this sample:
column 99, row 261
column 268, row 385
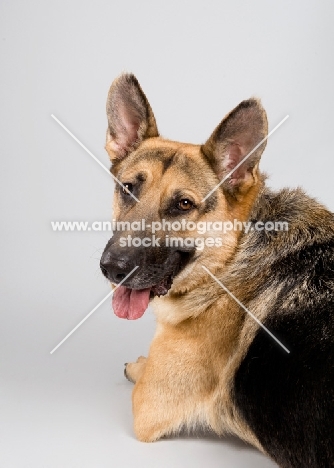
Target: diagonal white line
column 94, row 157
column 92, row 311
column 246, row 310
column 244, row 159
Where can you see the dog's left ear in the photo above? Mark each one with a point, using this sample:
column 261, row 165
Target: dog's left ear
column 130, row 117
column 234, row 138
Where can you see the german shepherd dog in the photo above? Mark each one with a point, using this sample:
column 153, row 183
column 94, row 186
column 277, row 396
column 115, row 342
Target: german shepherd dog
column 211, row 364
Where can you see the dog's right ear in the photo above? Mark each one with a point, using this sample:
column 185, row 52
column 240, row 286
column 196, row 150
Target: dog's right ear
column 237, row 136
column 130, row 117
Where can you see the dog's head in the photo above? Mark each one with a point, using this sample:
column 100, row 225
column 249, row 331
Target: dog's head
column 167, row 189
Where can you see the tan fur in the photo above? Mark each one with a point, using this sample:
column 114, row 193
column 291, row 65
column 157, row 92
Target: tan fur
column 198, row 331
column 200, row 350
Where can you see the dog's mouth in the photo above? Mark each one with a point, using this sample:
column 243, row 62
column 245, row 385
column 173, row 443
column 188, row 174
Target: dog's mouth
column 131, row 303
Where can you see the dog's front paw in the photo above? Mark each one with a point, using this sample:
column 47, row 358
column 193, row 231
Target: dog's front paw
column 133, row 370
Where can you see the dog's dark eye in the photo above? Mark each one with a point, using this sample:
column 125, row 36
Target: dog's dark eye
column 127, row 187
column 185, row 204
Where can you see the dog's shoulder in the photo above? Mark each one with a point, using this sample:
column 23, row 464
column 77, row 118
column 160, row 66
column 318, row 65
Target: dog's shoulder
column 291, row 236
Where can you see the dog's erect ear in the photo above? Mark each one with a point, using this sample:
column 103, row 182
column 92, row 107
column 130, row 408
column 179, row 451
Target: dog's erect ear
column 130, row 117
column 234, row 138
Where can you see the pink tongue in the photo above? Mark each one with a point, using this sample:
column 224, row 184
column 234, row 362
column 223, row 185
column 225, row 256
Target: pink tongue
column 130, row 303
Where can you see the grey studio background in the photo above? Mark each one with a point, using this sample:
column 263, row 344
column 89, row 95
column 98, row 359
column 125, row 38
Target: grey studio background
column 195, row 61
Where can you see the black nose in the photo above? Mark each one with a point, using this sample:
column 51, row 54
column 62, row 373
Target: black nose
column 115, row 268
